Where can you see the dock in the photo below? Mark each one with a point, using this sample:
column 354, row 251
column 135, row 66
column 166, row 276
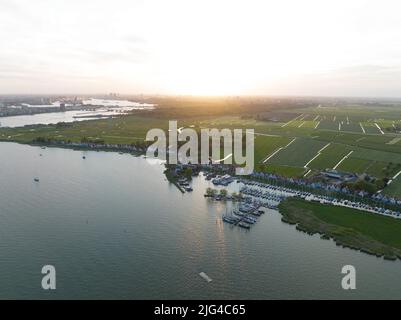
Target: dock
column 245, row 217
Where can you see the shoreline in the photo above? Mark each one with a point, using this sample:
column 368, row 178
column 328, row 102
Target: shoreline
column 77, row 147
column 305, row 218
column 140, row 149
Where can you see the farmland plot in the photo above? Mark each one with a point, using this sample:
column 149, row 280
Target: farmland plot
column 298, row 153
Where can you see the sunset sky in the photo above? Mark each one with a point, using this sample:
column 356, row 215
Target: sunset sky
column 208, row 47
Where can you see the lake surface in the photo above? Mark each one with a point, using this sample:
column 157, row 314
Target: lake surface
column 109, row 108
column 45, row 118
column 113, row 227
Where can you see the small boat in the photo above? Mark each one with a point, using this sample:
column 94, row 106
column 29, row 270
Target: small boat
column 36, row 179
column 228, row 220
column 205, row 277
column 248, row 220
column 83, row 157
column 244, row 225
column 238, row 213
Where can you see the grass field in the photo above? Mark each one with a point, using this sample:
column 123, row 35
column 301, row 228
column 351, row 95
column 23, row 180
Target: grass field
column 298, row 153
column 376, row 155
column 264, row 146
column 372, row 162
column 354, row 165
column 394, row 189
column 328, row 125
column 118, row 130
column 370, row 127
column 352, row 127
column 285, row 171
column 330, row 156
column 312, row 128
column 365, row 231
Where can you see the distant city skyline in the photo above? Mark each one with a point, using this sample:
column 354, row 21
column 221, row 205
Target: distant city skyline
column 298, row 48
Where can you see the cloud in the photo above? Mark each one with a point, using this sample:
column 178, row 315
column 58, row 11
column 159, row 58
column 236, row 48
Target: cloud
column 357, row 80
column 181, row 46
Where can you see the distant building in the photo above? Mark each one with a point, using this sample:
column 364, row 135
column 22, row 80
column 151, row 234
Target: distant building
column 62, row 107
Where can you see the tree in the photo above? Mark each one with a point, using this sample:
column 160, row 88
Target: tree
column 188, row 172
column 210, row 192
column 223, row 192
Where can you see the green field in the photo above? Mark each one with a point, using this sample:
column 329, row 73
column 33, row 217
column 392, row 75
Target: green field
column 376, row 154
column 394, row 189
column 285, row 171
column 264, row 146
column 298, row 153
column 352, row 228
column 119, row 130
column 330, row 156
column 376, row 163
column 354, row 165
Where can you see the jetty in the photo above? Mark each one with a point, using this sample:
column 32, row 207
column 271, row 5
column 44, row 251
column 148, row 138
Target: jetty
column 245, row 216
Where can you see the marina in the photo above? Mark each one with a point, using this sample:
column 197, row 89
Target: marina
column 271, row 196
column 253, row 196
column 245, row 216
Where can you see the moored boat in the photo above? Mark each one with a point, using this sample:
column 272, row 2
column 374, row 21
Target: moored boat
column 244, row 225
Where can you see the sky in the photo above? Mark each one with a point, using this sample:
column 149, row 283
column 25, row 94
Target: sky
column 208, row 47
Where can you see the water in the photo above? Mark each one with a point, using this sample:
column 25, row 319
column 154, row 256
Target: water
column 96, row 102
column 115, row 228
column 117, row 103
column 109, row 108
column 45, row 118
